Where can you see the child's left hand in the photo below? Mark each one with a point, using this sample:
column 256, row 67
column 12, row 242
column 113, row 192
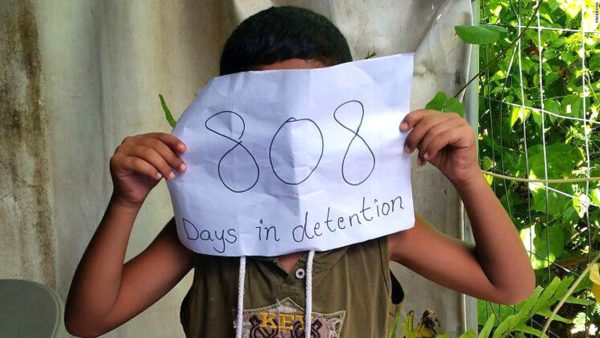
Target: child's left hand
column 445, row 140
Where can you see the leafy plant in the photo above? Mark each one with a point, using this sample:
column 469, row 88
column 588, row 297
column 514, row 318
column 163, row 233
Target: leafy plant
column 441, row 102
column 539, row 303
column 480, row 34
column 538, row 125
column 538, row 120
column 517, row 320
column 427, row 326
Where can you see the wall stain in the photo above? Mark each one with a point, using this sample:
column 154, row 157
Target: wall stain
column 28, row 242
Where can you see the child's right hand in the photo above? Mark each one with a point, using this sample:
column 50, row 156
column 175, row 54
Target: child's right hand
column 140, row 162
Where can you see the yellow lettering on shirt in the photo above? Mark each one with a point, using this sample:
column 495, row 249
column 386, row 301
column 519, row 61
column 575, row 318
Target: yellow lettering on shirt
column 300, row 318
column 268, row 320
column 285, row 321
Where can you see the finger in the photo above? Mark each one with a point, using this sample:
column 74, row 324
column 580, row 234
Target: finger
column 153, row 157
column 435, row 133
column 167, row 153
column 171, row 141
column 445, row 138
column 139, row 166
column 420, row 130
column 415, row 116
column 412, row 118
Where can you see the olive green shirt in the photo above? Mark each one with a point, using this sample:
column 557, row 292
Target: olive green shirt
column 354, row 295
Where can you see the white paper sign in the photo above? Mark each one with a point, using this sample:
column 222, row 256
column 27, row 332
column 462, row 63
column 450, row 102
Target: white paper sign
column 294, row 160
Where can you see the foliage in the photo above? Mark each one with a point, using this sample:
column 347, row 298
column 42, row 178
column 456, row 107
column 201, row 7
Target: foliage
column 521, row 318
column 441, row 102
column 480, row 34
column 427, row 326
column 549, row 133
column 539, row 120
column 394, row 330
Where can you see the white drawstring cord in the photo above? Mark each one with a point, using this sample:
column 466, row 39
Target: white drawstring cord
column 240, row 304
column 308, row 312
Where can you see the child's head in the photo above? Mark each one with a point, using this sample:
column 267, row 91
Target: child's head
column 283, row 33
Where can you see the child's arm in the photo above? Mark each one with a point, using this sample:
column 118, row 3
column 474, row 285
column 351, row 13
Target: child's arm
column 497, row 268
column 105, row 292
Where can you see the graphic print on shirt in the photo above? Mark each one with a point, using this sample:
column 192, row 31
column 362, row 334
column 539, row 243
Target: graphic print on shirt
column 285, row 319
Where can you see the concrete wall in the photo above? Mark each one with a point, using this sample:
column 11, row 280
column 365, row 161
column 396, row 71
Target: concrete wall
column 78, row 76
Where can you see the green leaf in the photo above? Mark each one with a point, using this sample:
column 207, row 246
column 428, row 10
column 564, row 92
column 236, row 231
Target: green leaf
column 454, row 106
column 167, row 111
column 553, row 106
column 547, row 297
column 562, row 289
column 561, row 159
column 594, row 62
column 537, row 117
column 530, row 330
column 438, row 102
column 595, row 196
column 547, row 247
column 519, row 114
column 578, row 301
column 506, row 326
column 521, row 317
column 479, row 34
column 572, row 105
column 441, row 102
column 571, row 8
column 530, row 303
column 408, row 325
column 487, row 328
column 487, row 163
column 394, row 330
column 468, row 334
column 547, row 313
column 556, row 201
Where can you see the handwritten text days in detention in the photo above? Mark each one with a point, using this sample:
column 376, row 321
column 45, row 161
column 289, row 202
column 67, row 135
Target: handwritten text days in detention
column 330, row 224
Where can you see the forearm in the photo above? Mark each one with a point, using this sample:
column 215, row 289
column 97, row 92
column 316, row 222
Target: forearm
column 498, row 247
column 97, row 280
column 497, row 268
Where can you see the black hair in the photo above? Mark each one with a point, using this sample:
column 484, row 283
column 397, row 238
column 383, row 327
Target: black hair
column 281, row 33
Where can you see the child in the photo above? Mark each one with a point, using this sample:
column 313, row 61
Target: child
column 352, row 288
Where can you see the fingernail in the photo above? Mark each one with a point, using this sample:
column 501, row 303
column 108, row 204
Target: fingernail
column 170, row 176
column 403, row 126
column 182, row 167
column 407, row 149
column 426, row 156
column 181, row 147
column 158, row 176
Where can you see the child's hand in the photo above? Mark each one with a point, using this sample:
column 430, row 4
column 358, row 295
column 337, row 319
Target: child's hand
column 140, row 162
column 445, row 140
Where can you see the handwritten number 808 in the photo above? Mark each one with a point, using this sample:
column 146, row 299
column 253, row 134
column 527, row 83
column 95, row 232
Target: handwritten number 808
column 275, row 162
